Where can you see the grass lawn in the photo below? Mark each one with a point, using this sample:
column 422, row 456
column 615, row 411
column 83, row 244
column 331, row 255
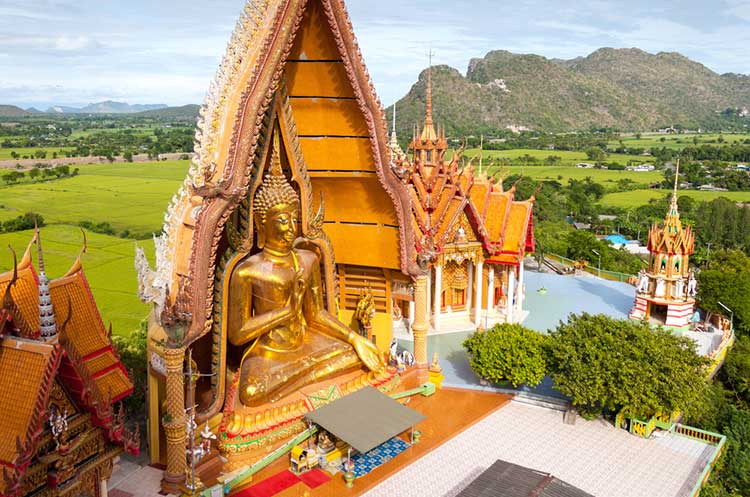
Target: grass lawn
column 108, row 265
column 5, row 152
column 640, row 197
column 130, row 196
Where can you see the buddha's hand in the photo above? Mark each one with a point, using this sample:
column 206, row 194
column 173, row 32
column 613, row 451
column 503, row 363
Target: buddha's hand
column 368, row 352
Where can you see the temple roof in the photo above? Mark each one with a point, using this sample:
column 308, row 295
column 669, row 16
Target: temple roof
column 84, row 338
column 26, row 371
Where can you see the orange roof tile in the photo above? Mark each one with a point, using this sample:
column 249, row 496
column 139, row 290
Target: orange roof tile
column 86, row 333
column 25, row 293
column 495, row 215
column 23, row 364
column 515, row 230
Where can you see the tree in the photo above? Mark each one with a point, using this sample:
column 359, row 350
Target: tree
column 596, row 154
column 508, row 353
column 727, row 280
column 604, row 363
column 736, row 371
column 34, row 173
column 132, row 350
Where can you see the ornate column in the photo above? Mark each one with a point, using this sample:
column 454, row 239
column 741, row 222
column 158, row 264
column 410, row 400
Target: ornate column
column 521, row 293
column 174, row 421
column 437, row 300
column 470, row 288
column 490, row 288
column 511, row 294
column 478, row 294
column 419, row 328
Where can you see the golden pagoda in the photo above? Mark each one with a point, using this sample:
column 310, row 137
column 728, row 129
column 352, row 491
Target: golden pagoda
column 665, row 292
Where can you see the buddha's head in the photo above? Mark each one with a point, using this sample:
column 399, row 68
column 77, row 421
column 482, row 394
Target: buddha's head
column 275, row 207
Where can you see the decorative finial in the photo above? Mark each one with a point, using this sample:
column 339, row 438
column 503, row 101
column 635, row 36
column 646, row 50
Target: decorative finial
column 428, row 116
column 47, row 326
column 394, row 117
column 276, row 156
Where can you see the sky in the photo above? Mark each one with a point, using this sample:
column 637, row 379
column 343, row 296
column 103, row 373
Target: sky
column 74, row 52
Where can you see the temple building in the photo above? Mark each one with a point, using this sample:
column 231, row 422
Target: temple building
column 299, row 234
column 60, row 379
column 665, row 292
column 475, row 230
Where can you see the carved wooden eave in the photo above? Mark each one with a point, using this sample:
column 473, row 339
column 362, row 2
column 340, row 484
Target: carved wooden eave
column 226, row 144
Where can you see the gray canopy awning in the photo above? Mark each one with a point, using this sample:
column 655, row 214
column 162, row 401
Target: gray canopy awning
column 365, row 419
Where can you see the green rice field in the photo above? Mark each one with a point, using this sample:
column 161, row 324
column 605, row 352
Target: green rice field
column 108, row 265
column 648, row 140
column 567, row 157
column 129, row 196
column 636, row 198
column 5, row 153
column 563, row 173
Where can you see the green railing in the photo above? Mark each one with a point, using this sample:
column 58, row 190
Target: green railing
column 610, row 275
column 716, row 439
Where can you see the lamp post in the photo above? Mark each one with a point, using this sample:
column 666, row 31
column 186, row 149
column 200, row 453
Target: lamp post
column 731, row 315
column 599, row 267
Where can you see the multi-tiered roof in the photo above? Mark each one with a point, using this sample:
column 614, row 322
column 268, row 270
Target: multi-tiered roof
column 446, row 196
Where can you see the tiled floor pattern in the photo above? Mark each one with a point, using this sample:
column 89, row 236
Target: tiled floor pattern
column 364, row 463
column 143, row 482
column 591, row 455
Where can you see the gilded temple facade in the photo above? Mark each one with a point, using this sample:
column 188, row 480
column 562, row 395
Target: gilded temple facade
column 665, row 292
column 60, row 379
column 293, row 104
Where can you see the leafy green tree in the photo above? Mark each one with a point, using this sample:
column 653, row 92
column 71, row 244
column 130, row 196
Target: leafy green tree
column 727, row 280
column 596, row 154
column 736, row 371
column 508, row 353
column 604, row 363
column 132, row 350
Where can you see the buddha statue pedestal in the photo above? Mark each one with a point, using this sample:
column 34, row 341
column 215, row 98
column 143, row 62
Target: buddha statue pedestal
column 247, row 434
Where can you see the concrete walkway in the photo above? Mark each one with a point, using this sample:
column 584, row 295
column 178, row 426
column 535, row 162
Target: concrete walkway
column 592, row 455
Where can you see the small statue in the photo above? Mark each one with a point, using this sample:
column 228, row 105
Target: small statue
column 643, row 282
column 365, row 311
column 661, row 288
column 692, row 287
column 393, row 351
column 407, row 358
column 679, row 289
column 435, row 364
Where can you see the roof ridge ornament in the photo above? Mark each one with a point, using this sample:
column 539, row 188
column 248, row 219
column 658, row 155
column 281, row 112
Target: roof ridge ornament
column 47, row 326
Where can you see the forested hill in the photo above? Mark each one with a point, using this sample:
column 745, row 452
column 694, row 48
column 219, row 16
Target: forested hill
column 627, row 89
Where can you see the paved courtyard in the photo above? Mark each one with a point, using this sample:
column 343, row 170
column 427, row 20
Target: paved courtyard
column 592, row 455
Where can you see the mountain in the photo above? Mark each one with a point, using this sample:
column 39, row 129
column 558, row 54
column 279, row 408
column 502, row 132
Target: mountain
column 13, row 111
column 107, row 107
column 627, row 89
column 183, row 113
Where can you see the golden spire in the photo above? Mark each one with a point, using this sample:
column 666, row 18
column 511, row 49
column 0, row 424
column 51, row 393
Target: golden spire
column 428, row 132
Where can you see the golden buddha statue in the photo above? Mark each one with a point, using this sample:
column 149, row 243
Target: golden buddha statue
column 276, row 307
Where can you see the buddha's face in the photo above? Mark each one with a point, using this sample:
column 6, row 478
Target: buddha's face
column 281, row 228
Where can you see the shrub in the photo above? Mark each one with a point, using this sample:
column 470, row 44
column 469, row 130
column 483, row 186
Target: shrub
column 508, row 352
